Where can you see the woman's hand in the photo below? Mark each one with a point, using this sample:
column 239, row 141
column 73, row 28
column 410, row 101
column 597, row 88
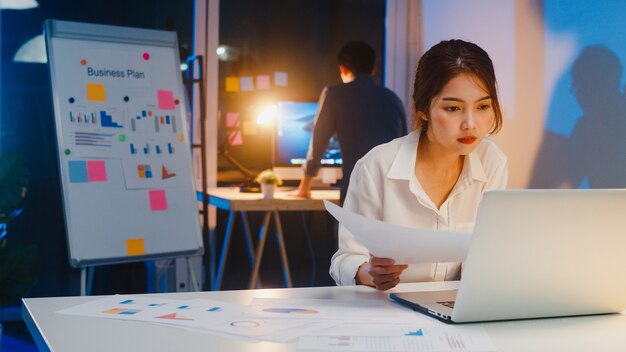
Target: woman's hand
column 382, row 273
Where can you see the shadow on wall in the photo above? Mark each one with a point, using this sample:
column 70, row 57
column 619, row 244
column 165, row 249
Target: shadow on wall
column 594, row 155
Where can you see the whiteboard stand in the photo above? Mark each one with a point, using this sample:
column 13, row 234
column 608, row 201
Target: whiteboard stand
column 86, row 281
column 195, row 284
column 86, row 278
column 126, row 174
column 195, row 77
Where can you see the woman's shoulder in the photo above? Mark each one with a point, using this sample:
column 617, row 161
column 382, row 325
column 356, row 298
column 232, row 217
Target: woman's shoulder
column 383, row 153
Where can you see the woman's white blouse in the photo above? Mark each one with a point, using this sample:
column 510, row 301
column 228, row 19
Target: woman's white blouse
column 383, row 186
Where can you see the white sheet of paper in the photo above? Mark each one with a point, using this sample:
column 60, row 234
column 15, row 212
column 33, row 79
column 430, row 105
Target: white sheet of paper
column 203, row 314
column 403, row 244
column 423, row 339
column 331, row 309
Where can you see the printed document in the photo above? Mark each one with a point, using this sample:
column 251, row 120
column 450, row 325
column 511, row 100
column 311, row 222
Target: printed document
column 403, row 244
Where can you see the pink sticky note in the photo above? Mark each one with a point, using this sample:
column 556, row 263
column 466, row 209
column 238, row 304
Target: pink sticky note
column 158, row 201
column 232, row 119
column 235, row 137
column 262, row 82
column 96, row 171
column 166, row 100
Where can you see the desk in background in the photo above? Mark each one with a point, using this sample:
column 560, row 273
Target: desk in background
column 68, row 333
column 233, row 201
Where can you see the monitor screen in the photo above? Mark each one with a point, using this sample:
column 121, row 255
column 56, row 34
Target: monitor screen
column 294, row 126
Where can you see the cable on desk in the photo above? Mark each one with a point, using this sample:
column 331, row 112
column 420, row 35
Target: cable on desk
column 311, row 251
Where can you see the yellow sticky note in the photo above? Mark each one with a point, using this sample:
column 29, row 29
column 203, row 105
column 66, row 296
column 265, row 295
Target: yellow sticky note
column 232, row 84
column 96, row 92
column 135, row 246
column 249, row 128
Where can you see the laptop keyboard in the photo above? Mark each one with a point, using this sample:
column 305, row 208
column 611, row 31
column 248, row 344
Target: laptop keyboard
column 449, row 304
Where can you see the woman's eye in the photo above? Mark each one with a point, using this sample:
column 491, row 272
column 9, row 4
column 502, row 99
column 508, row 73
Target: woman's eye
column 452, row 108
column 484, row 107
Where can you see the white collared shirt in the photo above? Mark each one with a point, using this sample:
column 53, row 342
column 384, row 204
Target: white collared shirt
column 383, row 186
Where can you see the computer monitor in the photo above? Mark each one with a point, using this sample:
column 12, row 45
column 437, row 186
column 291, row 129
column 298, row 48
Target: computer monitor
column 292, row 135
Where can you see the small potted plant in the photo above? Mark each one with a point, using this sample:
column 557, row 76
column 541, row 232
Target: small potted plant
column 268, row 180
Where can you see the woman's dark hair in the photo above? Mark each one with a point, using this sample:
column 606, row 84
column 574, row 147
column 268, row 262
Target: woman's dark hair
column 442, row 63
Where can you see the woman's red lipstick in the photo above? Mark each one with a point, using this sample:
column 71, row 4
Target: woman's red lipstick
column 467, row 140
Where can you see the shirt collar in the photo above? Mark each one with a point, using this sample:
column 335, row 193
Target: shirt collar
column 405, row 156
column 407, row 153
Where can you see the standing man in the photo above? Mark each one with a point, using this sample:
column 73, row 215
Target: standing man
column 361, row 112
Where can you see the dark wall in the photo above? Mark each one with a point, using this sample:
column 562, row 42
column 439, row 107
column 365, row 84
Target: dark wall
column 301, row 38
column 27, row 118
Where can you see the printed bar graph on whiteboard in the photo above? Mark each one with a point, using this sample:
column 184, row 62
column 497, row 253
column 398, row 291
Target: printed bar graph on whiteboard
column 107, row 120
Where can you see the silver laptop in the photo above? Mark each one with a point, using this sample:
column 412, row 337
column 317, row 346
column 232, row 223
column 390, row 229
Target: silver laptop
column 535, row 254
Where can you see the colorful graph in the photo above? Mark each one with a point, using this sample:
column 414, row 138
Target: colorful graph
column 417, row 332
column 173, row 316
column 84, row 171
column 93, row 139
column 290, row 311
column 144, row 171
column 167, row 173
column 83, row 119
column 245, row 324
column 107, row 120
column 122, row 311
column 137, row 123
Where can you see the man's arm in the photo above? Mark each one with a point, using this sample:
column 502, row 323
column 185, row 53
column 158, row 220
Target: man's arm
column 323, row 129
column 304, row 189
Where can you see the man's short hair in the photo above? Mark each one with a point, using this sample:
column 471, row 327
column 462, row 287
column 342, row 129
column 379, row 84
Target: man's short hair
column 358, row 57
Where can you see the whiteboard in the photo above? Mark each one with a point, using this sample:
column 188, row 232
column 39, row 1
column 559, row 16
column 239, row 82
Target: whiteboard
column 124, row 152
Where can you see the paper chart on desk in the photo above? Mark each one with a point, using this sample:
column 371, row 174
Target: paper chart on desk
column 379, row 310
column 199, row 314
column 405, row 338
column 403, row 244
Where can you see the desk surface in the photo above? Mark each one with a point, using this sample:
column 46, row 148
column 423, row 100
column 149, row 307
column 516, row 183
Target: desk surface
column 59, row 332
column 229, row 198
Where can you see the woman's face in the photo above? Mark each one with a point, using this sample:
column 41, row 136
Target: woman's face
column 460, row 116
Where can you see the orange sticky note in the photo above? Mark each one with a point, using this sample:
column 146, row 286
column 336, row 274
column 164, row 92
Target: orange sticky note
column 249, row 128
column 232, row 84
column 96, row 92
column 135, row 246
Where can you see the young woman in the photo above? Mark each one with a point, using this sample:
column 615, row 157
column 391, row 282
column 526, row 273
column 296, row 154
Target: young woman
column 433, row 178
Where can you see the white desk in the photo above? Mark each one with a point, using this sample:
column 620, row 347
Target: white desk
column 59, row 332
column 233, row 201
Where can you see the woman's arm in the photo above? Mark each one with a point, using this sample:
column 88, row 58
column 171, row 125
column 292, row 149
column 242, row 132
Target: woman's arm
column 352, row 263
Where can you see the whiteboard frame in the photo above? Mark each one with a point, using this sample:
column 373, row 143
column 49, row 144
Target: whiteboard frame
column 113, row 34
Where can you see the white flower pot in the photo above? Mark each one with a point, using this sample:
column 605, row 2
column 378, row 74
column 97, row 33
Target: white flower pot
column 268, row 191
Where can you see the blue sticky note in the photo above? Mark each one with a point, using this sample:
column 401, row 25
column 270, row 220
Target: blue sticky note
column 78, row 171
